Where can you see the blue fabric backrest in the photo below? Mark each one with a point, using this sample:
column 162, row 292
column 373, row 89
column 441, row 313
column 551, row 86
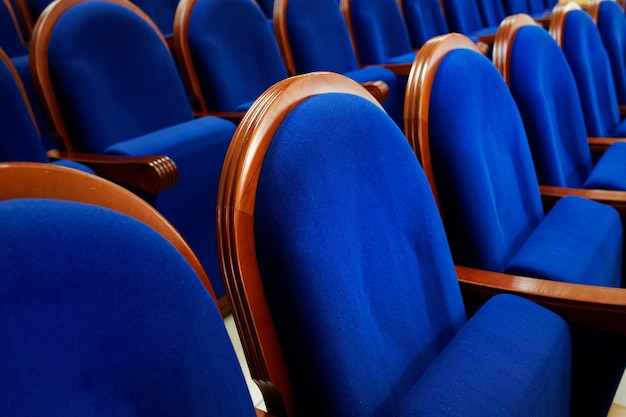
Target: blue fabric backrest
column 379, row 30
column 512, row 7
column 10, row 40
column 612, row 27
column 114, row 77
column 591, row 68
column 545, row 91
column 101, row 316
column 536, row 6
column 19, row 140
column 491, row 12
column 463, row 16
column 235, row 53
column 349, row 238
column 37, row 6
column 161, row 12
column 486, row 181
column 268, row 7
column 424, row 20
column 319, row 37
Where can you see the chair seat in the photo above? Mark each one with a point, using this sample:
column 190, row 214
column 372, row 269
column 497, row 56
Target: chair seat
column 609, row 173
column 401, row 59
column 570, row 232
column 470, row 373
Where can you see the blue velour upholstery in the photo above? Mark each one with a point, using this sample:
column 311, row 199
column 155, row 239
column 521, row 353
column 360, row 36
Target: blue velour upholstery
column 582, row 45
column 380, row 33
column 320, row 41
column 463, row 16
column 362, row 288
column 424, row 20
column 161, row 12
column 545, row 91
column 611, row 23
column 120, row 92
column 489, row 193
column 491, row 12
column 234, row 51
column 101, row 316
column 10, row 38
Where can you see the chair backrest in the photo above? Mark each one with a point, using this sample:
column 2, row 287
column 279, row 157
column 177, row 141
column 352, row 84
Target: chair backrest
column 512, row 7
column 313, row 36
column 465, row 127
column 491, row 12
column 11, row 40
column 104, row 74
column 29, row 11
column 93, row 322
column 20, row 137
column 463, row 16
column 316, row 301
column 544, row 89
column 424, row 20
column 580, row 40
column 227, row 52
column 611, row 21
column 378, row 29
column 162, row 12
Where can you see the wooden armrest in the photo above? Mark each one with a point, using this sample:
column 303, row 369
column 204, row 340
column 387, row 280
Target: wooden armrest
column 403, row 69
column 233, row 116
column 597, row 307
column 616, row 199
column 544, row 20
column 601, row 144
column 487, row 38
column 152, row 174
column 379, row 89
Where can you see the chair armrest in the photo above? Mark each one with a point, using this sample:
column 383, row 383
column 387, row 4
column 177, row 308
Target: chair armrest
column 233, row 116
column 601, row 144
column 402, row 69
column 152, row 174
column 616, row 199
column 379, row 89
column 622, row 110
column 602, row 308
column 487, row 38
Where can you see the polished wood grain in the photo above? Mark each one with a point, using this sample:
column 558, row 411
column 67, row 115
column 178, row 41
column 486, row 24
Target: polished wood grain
column 235, row 218
column 557, row 22
column 35, row 180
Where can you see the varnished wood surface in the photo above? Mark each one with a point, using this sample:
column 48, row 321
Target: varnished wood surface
column 236, row 243
column 505, row 36
column 557, row 22
column 34, row 180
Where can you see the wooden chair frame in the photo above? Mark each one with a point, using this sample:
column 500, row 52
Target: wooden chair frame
column 597, row 307
column 235, row 217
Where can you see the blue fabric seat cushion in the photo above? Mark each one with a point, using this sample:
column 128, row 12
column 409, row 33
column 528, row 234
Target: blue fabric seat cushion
column 402, row 59
column 197, row 148
column 619, row 131
column 512, row 358
column 579, row 241
column 609, row 173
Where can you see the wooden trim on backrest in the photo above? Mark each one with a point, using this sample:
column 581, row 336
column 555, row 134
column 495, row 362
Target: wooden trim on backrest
column 37, row 180
column 505, row 37
column 39, row 67
column 26, row 16
column 346, row 10
column 559, row 16
column 593, row 8
column 418, row 90
column 183, row 55
column 282, row 35
column 9, row 64
column 235, row 231
column 12, row 13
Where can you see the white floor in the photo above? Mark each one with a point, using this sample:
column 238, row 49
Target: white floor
column 618, row 409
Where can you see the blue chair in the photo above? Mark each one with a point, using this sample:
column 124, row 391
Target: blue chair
column 424, row 20
column 111, row 86
column 491, row 12
column 342, row 282
column 463, row 16
column 29, row 11
column 313, row 36
column 227, row 53
column 92, row 321
column 468, row 133
column 580, row 40
column 611, row 22
column 162, row 12
column 544, row 89
column 10, row 33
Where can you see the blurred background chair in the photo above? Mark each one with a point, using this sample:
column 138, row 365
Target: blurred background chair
column 11, row 40
column 110, row 85
column 162, row 12
column 366, row 318
column 463, row 16
column 29, row 11
column 544, row 89
column 465, row 127
column 103, row 309
column 424, row 19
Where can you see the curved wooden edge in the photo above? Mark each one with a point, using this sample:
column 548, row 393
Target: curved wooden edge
column 279, row 22
column 152, row 174
column 39, row 64
column 261, row 413
column 557, row 21
column 593, row 9
column 400, row 69
column 622, row 110
column 233, row 116
column 601, row 144
column 346, row 9
column 235, row 231
column 616, row 199
column 184, row 59
column 378, row 89
column 418, row 90
column 12, row 13
column 487, row 38
column 35, row 180
column 597, row 307
column 26, row 17
column 20, row 85
column 503, row 43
